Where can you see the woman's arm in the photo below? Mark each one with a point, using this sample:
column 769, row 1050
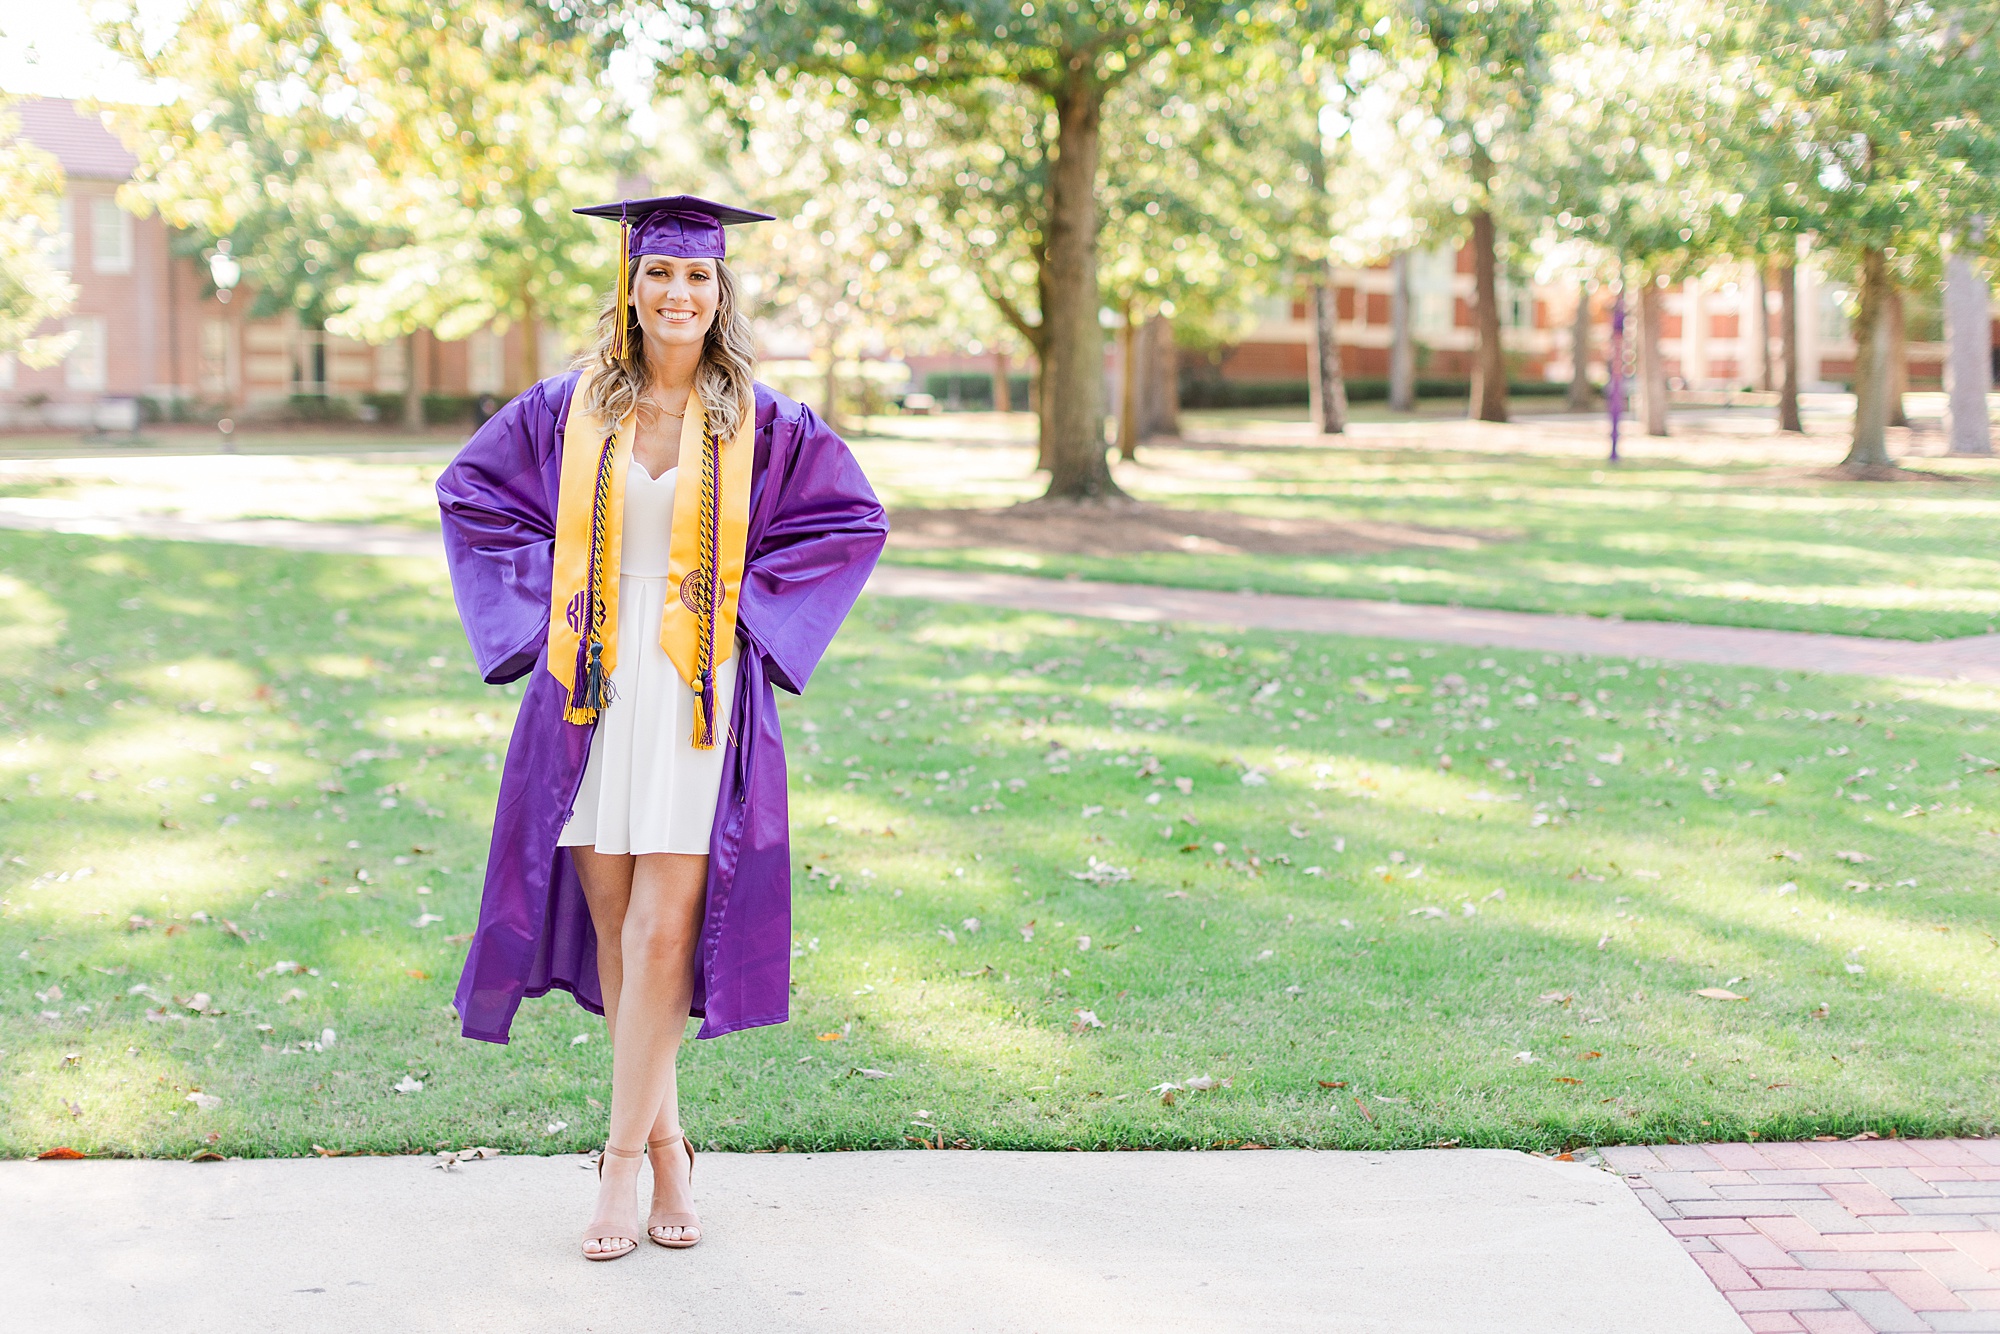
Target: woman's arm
column 497, row 503
column 815, row 554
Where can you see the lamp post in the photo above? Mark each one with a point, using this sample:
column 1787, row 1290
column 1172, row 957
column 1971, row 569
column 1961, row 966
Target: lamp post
column 1614, row 387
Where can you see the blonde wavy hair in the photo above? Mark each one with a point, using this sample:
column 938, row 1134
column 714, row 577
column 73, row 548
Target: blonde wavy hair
column 723, row 379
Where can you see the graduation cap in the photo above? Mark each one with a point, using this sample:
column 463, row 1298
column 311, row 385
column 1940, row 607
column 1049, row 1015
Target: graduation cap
column 684, row 226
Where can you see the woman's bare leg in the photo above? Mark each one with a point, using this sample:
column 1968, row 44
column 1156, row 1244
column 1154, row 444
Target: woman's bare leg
column 607, row 890
column 661, row 935
column 647, row 912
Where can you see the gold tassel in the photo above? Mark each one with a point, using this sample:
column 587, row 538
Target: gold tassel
column 590, row 688
column 708, row 575
column 624, row 289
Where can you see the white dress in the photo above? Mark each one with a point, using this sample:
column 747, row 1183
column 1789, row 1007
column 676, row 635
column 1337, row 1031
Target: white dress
column 645, row 787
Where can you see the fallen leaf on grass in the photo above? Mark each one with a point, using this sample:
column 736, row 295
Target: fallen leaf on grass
column 829, row 1037
column 407, row 1084
column 207, row 1102
column 555, row 1127
column 1333, row 1084
column 1556, row 997
column 1590, row 1056
column 1086, row 1019
column 61, row 1153
column 459, row 939
column 866, row 1073
column 1362, row 1108
column 1721, row 994
column 1205, row 1082
column 1567, row 1079
column 1855, row 857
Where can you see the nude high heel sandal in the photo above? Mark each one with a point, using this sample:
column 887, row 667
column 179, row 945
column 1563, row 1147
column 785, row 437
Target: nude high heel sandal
column 609, row 1229
column 661, row 1221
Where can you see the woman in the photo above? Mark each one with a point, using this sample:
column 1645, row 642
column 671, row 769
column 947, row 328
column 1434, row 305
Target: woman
column 655, row 541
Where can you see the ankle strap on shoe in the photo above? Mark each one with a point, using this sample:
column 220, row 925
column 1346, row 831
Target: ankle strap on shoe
column 663, row 1143
column 623, row 1153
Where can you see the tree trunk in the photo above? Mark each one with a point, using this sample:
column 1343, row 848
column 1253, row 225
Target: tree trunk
column 1074, row 369
column 1968, row 358
column 1652, row 364
column 413, row 389
column 1871, row 366
column 1763, row 334
column 1328, row 387
column 1162, row 402
column 1899, row 359
column 1489, row 365
column 1002, row 399
column 1788, row 349
column 1128, row 388
column 528, row 347
column 1038, row 389
column 1580, row 397
column 830, row 405
column 1402, row 347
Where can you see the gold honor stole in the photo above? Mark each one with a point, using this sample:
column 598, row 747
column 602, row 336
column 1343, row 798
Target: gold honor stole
column 705, row 557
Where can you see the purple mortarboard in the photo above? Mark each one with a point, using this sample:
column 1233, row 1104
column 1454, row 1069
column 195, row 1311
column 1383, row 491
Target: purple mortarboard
column 684, row 226
column 679, row 225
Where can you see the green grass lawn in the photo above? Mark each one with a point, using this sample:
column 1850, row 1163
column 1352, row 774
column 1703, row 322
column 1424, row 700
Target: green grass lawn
column 1044, row 868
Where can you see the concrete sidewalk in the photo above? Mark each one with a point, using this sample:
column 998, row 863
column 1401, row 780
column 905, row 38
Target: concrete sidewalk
column 1975, row 659
column 1445, row 1242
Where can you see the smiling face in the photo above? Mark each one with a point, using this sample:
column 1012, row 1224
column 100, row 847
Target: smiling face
column 676, row 299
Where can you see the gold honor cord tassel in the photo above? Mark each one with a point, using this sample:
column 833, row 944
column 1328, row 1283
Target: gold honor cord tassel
column 590, row 685
column 708, row 589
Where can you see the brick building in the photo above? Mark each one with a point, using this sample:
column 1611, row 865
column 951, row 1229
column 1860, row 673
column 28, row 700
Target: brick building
column 153, row 331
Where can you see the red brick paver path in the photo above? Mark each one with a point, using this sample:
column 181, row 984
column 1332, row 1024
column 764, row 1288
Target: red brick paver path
column 1842, row 1237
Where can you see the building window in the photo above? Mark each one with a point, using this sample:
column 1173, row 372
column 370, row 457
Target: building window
column 215, row 377
column 484, row 373
column 1433, row 289
column 83, row 368
column 65, row 237
column 554, row 350
column 110, row 237
column 1834, row 306
column 309, row 363
column 1517, row 303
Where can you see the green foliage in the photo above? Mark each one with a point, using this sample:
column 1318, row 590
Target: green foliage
column 973, row 389
column 1204, row 391
column 33, row 290
column 386, row 166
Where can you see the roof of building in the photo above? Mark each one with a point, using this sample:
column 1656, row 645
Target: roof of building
column 82, row 143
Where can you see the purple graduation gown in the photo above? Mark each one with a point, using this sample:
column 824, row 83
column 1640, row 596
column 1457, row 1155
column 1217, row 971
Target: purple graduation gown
column 815, row 531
